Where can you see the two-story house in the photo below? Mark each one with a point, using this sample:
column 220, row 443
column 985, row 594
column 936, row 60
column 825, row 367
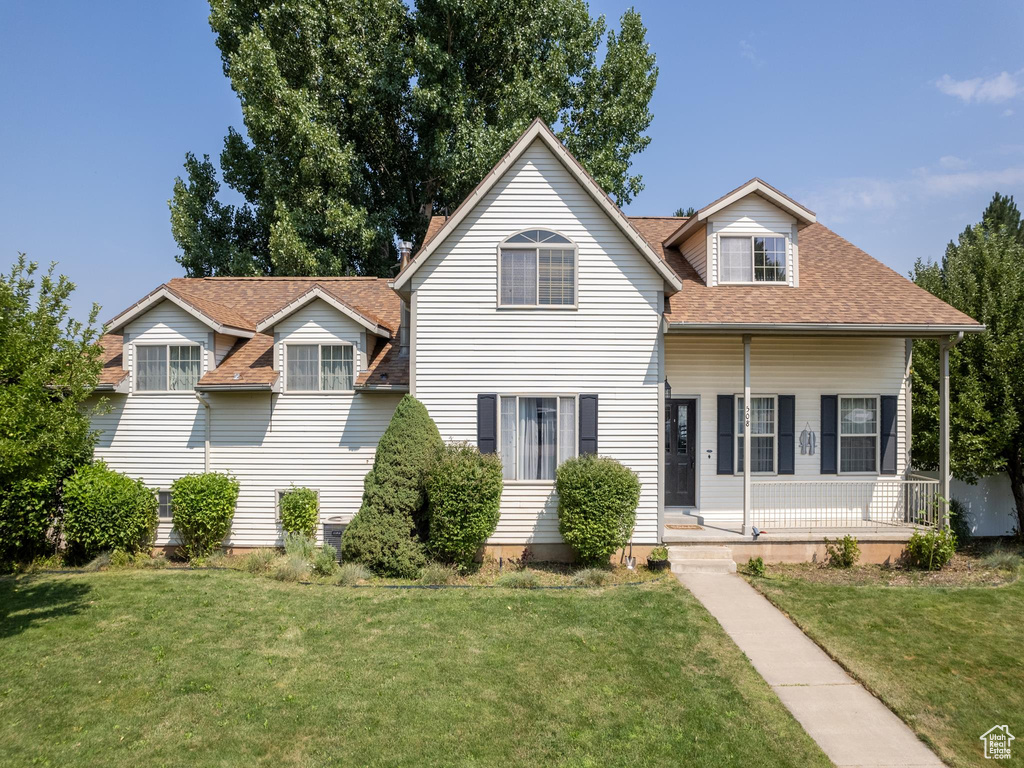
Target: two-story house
column 751, row 366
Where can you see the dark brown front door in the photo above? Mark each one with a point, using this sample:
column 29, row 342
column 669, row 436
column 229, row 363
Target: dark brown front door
column 680, row 453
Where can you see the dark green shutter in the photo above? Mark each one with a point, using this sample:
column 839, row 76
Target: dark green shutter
column 829, row 438
column 726, row 431
column 888, row 433
column 487, row 423
column 787, row 434
column 588, row 424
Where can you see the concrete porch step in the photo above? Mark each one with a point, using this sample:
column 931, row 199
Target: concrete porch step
column 701, row 559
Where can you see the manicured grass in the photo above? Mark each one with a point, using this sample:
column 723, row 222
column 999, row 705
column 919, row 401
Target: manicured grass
column 156, row 668
column 946, row 659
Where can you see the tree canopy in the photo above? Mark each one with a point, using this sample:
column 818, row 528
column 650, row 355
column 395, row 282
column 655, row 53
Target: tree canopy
column 981, row 274
column 364, row 117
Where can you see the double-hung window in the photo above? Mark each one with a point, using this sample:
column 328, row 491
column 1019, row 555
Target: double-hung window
column 763, row 431
column 537, row 268
column 752, row 259
column 319, row 367
column 537, row 434
column 162, row 368
column 164, row 510
column 858, row 434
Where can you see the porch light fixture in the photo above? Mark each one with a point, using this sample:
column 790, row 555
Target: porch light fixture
column 668, row 389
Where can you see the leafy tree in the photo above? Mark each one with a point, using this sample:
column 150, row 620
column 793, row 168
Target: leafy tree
column 364, row 117
column 981, row 274
column 691, row 211
column 49, row 365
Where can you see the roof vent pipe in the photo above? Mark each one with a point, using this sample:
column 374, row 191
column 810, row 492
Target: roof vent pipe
column 405, row 252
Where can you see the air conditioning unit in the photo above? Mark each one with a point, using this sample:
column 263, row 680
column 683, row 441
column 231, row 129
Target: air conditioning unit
column 333, row 529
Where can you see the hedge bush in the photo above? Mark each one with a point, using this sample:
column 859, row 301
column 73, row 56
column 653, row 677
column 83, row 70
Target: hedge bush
column 386, row 534
column 842, row 553
column 28, row 510
column 107, row 510
column 931, row 550
column 597, row 499
column 203, row 508
column 463, row 502
column 300, row 511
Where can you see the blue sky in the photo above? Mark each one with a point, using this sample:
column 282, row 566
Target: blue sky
column 895, row 122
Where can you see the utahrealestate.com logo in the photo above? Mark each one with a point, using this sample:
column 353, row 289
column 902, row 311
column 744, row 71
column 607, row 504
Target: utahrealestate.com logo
column 997, row 742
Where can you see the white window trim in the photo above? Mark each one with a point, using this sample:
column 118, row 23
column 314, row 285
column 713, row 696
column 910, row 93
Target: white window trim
column 558, row 431
column 319, row 356
column 170, row 519
column 278, row 492
column 751, row 236
column 738, row 467
column 877, row 435
column 167, row 361
column 504, row 245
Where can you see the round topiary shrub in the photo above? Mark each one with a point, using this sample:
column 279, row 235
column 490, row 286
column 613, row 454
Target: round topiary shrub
column 203, row 507
column 107, row 510
column 386, row 534
column 300, row 511
column 463, row 502
column 597, row 499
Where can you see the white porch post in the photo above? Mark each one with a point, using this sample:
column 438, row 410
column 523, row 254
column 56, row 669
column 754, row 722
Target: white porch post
column 944, row 475
column 746, row 435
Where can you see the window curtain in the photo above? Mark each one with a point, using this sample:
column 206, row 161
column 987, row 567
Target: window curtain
column 336, row 367
column 184, row 370
column 508, row 438
column 737, row 265
column 538, row 432
column 566, row 428
column 152, row 368
column 302, row 367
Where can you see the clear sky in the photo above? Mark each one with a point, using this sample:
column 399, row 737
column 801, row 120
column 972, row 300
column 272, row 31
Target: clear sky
column 894, row 121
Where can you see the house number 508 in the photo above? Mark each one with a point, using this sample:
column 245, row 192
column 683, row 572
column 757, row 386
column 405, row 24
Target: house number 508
column 746, row 417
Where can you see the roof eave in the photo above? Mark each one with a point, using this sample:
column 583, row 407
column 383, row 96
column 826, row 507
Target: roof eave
column 901, row 330
column 165, row 293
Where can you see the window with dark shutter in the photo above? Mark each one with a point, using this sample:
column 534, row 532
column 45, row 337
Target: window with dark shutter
column 829, row 426
column 487, row 423
column 588, row 424
column 889, row 443
column 787, row 433
column 725, row 433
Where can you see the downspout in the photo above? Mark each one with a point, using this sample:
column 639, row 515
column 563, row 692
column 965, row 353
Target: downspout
column 204, row 400
column 944, row 346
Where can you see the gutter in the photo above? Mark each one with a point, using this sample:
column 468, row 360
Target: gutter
column 826, row 328
column 234, row 388
column 205, row 402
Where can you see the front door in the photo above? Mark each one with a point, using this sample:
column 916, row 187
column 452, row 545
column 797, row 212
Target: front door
column 680, row 453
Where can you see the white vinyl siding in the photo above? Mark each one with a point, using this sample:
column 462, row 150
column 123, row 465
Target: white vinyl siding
column 465, row 345
column 752, row 216
column 807, row 368
column 695, row 249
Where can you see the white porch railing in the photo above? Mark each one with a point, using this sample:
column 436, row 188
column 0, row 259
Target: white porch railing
column 871, row 503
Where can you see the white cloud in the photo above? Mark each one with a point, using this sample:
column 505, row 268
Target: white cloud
column 953, row 163
column 860, row 195
column 991, row 90
column 1007, row 113
column 749, row 52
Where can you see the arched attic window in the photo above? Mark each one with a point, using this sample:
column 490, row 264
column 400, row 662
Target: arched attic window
column 537, row 268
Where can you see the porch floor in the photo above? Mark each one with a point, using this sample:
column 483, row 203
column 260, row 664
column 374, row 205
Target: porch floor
column 729, row 531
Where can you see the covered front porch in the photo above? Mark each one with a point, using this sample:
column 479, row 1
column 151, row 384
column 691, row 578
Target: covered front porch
column 781, row 477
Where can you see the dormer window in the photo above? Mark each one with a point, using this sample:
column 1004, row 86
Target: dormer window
column 537, row 268
column 752, row 259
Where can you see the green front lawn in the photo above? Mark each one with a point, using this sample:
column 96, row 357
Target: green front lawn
column 947, row 659
column 127, row 668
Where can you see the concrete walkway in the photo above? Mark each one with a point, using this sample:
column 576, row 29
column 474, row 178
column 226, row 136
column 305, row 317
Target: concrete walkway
column 850, row 725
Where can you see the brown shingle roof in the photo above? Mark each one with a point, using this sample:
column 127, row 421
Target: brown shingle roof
column 251, row 360
column 113, row 371
column 387, row 368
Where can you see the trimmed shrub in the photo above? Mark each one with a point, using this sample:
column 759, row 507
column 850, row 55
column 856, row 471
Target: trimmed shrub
column 755, row 566
column 203, row 508
column 463, row 502
column 842, row 553
column 386, row 534
column 658, row 554
column 300, row 511
column 27, row 512
column 597, row 499
column 931, row 550
column 325, row 561
column 106, row 510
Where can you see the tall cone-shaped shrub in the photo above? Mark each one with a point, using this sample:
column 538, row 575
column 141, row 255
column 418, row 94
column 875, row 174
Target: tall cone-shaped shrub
column 385, row 535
